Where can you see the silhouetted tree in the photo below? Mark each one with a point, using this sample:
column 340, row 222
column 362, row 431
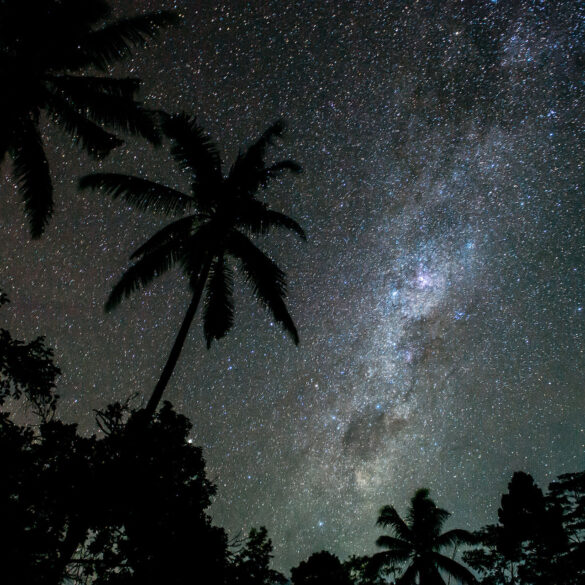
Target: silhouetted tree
column 521, row 514
column 321, row 567
column 487, row 559
column 154, row 492
column 227, row 211
column 528, row 544
column 126, row 509
column 362, row 571
column 418, row 541
column 567, row 495
column 251, row 565
column 29, row 369
column 46, row 498
column 49, row 51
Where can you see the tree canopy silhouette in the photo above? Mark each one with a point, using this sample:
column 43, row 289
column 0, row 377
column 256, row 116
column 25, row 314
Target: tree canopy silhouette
column 251, row 564
column 29, row 369
column 225, row 212
column 530, row 545
column 54, row 60
column 418, row 541
column 320, row 567
column 128, row 508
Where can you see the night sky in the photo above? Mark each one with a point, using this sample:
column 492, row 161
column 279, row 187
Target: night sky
column 439, row 298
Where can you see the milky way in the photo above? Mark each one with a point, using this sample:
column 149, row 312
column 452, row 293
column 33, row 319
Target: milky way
column 439, row 297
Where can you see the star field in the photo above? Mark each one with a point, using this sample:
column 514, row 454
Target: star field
column 439, row 297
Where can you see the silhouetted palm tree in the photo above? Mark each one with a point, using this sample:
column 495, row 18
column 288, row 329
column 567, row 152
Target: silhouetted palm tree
column 51, row 56
column 226, row 212
column 417, row 542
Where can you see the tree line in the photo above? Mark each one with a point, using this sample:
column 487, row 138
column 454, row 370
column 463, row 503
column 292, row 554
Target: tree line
column 127, row 505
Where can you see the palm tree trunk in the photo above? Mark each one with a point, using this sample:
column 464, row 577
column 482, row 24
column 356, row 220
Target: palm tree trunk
column 167, row 372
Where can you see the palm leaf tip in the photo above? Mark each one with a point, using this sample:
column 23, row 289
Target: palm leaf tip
column 111, row 304
column 31, row 171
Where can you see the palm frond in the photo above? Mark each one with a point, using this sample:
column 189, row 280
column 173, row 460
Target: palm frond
column 31, row 171
column 105, row 47
column 454, row 537
column 409, row 576
column 389, row 517
column 268, row 281
column 139, row 193
column 78, row 86
column 249, row 171
column 176, row 231
column 460, row 573
column 384, row 560
column 194, row 151
column 91, row 137
column 144, row 271
column 276, row 169
column 218, row 316
column 394, row 544
column 259, row 219
column 119, row 112
column 257, row 151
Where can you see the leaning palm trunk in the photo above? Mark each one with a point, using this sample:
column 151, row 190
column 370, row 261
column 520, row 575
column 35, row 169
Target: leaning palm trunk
column 173, row 358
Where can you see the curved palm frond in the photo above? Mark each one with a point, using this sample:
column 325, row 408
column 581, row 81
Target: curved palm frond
column 106, row 46
column 409, row 576
column 386, row 560
column 139, row 193
column 257, row 218
column 218, row 315
column 389, row 517
column 276, row 169
column 454, row 537
column 256, row 152
column 460, row 573
column 248, row 173
column 31, row 170
column 193, row 149
column 391, row 543
column 119, row 112
column 91, row 137
column 268, row 281
column 178, row 230
column 144, row 271
column 79, row 86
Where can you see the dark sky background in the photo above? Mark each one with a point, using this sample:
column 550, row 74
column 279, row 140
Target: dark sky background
column 439, row 297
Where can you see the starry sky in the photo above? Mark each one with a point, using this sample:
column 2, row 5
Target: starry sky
column 439, row 298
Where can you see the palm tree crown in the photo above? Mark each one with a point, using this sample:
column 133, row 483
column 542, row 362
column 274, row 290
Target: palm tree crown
column 222, row 213
column 417, row 543
column 47, row 50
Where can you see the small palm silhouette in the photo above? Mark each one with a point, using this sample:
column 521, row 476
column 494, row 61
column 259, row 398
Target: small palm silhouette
column 417, row 542
column 47, row 50
column 204, row 243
